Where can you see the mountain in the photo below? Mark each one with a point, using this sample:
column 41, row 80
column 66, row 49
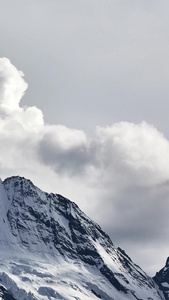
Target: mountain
column 49, row 249
column 162, row 279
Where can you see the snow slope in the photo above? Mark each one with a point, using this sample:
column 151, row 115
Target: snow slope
column 49, row 249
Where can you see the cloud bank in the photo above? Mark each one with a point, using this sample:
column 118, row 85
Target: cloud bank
column 120, row 176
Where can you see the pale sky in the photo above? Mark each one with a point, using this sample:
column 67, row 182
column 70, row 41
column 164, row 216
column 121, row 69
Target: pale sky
column 93, row 123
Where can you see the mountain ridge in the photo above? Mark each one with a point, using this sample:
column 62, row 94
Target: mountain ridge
column 50, row 232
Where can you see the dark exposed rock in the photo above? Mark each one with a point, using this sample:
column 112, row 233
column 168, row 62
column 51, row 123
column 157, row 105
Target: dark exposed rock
column 162, row 279
column 4, row 294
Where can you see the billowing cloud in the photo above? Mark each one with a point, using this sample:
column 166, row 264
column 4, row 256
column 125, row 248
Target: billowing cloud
column 116, row 151
column 12, row 86
column 132, row 150
column 64, row 149
column 120, row 176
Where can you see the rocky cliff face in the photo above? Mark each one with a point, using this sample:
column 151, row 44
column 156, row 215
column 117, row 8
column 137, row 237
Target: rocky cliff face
column 162, row 279
column 51, row 250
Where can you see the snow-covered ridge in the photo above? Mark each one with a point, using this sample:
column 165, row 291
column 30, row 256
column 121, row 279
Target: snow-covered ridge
column 51, row 250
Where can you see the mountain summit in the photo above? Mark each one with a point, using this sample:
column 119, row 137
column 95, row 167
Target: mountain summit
column 49, row 249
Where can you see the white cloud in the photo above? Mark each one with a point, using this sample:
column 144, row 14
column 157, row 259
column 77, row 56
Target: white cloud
column 138, row 150
column 63, row 149
column 12, row 86
column 120, row 177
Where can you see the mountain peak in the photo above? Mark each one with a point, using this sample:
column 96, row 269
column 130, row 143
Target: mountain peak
column 49, row 246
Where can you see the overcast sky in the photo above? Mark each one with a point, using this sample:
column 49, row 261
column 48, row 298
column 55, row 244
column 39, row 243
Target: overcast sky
column 89, row 119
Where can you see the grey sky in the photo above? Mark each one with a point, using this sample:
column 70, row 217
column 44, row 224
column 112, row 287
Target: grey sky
column 87, row 64
column 108, row 60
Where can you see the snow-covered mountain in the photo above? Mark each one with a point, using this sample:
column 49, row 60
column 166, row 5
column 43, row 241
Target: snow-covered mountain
column 49, row 249
column 162, row 279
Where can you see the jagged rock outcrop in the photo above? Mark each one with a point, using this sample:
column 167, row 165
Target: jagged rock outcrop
column 162, row 279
